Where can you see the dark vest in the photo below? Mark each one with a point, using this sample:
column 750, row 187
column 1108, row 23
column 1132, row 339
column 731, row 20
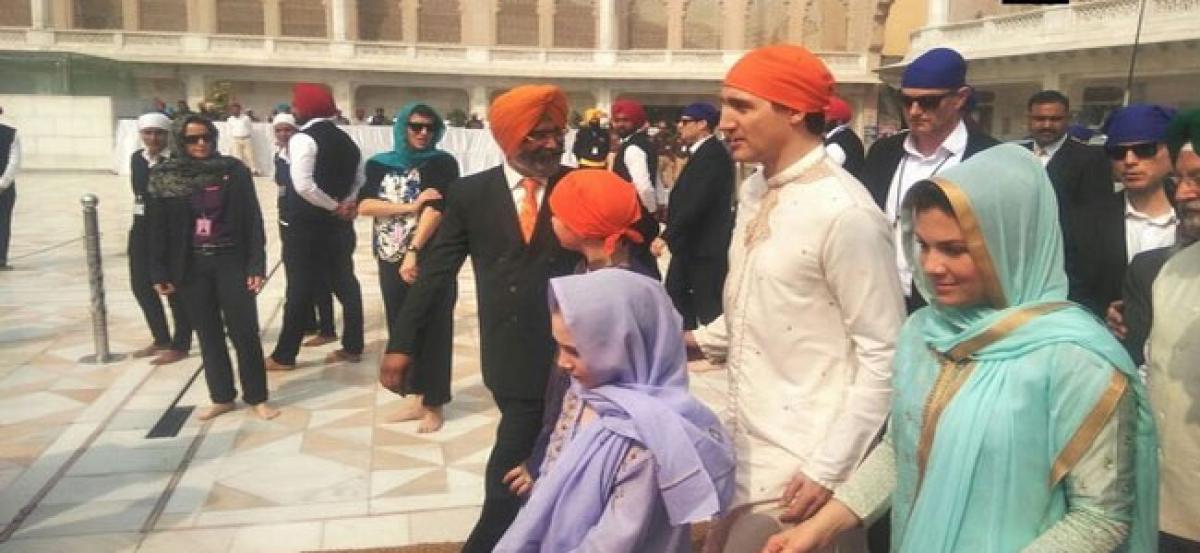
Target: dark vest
column 641, row 140
column 283, row 179
column 334, row 171
column 7, row 134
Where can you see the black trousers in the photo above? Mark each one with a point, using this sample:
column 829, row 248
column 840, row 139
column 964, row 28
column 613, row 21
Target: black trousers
column 8, row 199
column 1169, row 543
column 319, row 319
column 314, row 250
column 696, row 285
column 520, row 422
column 215, row 294
column 430, row 375
column 149, row 300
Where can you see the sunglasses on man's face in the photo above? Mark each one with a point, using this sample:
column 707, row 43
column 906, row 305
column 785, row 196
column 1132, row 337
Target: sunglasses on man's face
column 925, row 101
column 543, row 136
column 196, row 138
column 1143, row 150
column 418, row 128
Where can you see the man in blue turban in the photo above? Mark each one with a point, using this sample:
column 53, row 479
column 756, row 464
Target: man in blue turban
column 1104, row 235
column 934, row 96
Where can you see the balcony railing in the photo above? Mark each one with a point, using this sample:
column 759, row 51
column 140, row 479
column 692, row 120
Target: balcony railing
column 1076, row 26
column 140, row 46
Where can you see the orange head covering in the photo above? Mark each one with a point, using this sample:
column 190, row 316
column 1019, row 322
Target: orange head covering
column 313, row 100
column 838, row 110
column 516, row 112
column 594, row 203
column 784, row 74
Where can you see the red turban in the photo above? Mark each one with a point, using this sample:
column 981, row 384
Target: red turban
column 313, row 100
column 631, row 110
column 597, row 204
column 516, row 112
column 784, row 74
column 838, row 110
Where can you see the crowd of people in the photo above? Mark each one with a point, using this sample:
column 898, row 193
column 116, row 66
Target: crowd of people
column 917, row 328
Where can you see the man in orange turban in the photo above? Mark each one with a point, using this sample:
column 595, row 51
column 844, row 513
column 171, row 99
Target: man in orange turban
column 594, row 214
column 812, row 303
column 499, row 217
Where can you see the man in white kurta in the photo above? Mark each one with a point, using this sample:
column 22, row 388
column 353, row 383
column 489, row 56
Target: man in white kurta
column 812, row 305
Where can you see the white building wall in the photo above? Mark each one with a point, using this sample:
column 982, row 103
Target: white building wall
column 61, row 132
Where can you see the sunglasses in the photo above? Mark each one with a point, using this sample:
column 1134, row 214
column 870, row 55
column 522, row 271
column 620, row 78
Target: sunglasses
column 1143, row 150
column 418, row 128
column 196, row 138
column 543, row 136
column 925, row 101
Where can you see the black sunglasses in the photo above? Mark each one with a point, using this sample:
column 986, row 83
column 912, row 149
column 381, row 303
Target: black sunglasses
column 925, row 101
column 418, row 127
column 196, row 138
column 1143, row 150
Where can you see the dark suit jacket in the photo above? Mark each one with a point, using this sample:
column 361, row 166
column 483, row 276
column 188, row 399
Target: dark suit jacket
column 885, row 154
column 480, row 220
column 852, row 145
column 1139, row 310
column 700, row 218
column 1095, row 252
column 1080, row 173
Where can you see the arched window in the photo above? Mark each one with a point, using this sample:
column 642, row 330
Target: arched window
column 97, row 14
column 15, row 13
column 575, row 24
column 239, row 17
column 766, row 22
column 162, row 15
column 380, row 20
column 439, row 21
column 702, row 25
column 517, row 23
column 646, row 24
column 304, row 18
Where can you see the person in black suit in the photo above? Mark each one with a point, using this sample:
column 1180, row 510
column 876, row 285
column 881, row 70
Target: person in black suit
column 637, row 162
column 934, row 94
column 499, row 218
column 1080, row 173
column 841, row 142
column 1103, row 235
column 699, row 221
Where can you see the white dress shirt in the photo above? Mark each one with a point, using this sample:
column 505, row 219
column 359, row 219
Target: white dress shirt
column 14, row 165
column 1144, row 233
column 1044, row 155
column 915, row 167
column 239, row 126
column 639, row 173
column 812, row 312
column 303, row 150
column 513, row 178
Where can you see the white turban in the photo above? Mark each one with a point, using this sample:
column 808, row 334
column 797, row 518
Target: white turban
column 283, row 119
column 153, row 120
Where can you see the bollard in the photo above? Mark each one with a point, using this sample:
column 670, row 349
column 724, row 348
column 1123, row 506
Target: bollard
column 91, row 244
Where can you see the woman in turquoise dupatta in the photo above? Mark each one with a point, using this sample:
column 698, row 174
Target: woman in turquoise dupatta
column 1018, row 423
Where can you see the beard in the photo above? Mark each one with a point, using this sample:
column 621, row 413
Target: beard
column 1189, row 220
column 542, row 162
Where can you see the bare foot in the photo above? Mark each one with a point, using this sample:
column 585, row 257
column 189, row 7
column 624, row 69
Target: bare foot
column 215, row 410
column 169, row 356
column 265, row 412
column 319, row 340
column 271, row 364
column 411, row 412
column 431, row 421
column 341, row 355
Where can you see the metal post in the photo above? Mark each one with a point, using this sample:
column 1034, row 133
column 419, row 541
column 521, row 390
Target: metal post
column 91, row 243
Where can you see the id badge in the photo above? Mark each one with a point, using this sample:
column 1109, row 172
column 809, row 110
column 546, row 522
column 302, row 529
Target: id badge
column 203, row 227
column 139, row 209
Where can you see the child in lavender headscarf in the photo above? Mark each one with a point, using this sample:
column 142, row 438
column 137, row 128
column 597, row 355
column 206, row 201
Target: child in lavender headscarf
column 634, row 458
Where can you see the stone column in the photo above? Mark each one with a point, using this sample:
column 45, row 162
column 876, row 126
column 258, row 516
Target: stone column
column 195, row 89
column 272, row 18
column 607, row 36
column 604, row 98
column 545, row 13
column 409, row 15
column 337, row 19
column 938, row 13
column 479, row 101
column 202, row 16
column 675, row 24
column 130, row 16
column 61, row 14
column 478, row 22
column 733, row 28
column 343, row 96
column 39, row 14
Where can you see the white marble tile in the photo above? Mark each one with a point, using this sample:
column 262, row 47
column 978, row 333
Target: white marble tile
column 444, row 525
column 108, row 487
column 269, row 515
column 361, row 533
column 210, row 540
column 116, row 460
column 293, row 479
column 105, row 543
column 86, row 518
column 300, row 536
column 32, row 406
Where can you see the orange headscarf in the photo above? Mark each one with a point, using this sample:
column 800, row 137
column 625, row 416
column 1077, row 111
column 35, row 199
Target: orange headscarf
column 785, row 74
column 516, row 112
column 595, row 203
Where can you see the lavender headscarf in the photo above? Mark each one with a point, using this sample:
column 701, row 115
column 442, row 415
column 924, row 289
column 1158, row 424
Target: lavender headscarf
column 627, row 331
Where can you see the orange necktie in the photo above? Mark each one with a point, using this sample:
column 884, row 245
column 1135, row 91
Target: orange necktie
column 529, row 208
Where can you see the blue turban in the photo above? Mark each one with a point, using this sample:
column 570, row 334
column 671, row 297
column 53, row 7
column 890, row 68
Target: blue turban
column 1080, row 132
column 1137, row 123
column 702, row 111
column 937, row 68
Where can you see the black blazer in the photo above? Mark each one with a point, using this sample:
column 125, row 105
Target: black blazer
column 885, row 154
column 852, row 146
column 172, row 221
column 511, row 277
column 1139, row 309
column 1080, row 173
column 700, row 218
column 1095, row 252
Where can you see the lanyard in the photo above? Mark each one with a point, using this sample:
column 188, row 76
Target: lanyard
column 900, row 182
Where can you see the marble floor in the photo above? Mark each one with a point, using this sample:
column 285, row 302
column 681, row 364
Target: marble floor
column 77, row 471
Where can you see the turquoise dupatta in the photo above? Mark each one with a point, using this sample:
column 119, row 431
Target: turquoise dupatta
column 988, row 475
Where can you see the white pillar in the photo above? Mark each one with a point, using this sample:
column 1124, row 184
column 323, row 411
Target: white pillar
column 939, row 12
column 479, row 101
column 194, row 87
column 604, row 98
column 606, row 31
column 338, row 19
column 1052, row 81
column 130, row 18
column 39, row 14
column 343, row 96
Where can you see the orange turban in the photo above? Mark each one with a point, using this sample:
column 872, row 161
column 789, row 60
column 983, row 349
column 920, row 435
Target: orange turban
column 595, row 203
column 516, row 112
column 784, row 74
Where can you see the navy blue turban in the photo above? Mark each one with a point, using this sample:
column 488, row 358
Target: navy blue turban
column 937, row 68
column 1137, row 123
column 702, row 111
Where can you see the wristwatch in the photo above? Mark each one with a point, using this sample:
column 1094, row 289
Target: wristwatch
column 412, row 248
